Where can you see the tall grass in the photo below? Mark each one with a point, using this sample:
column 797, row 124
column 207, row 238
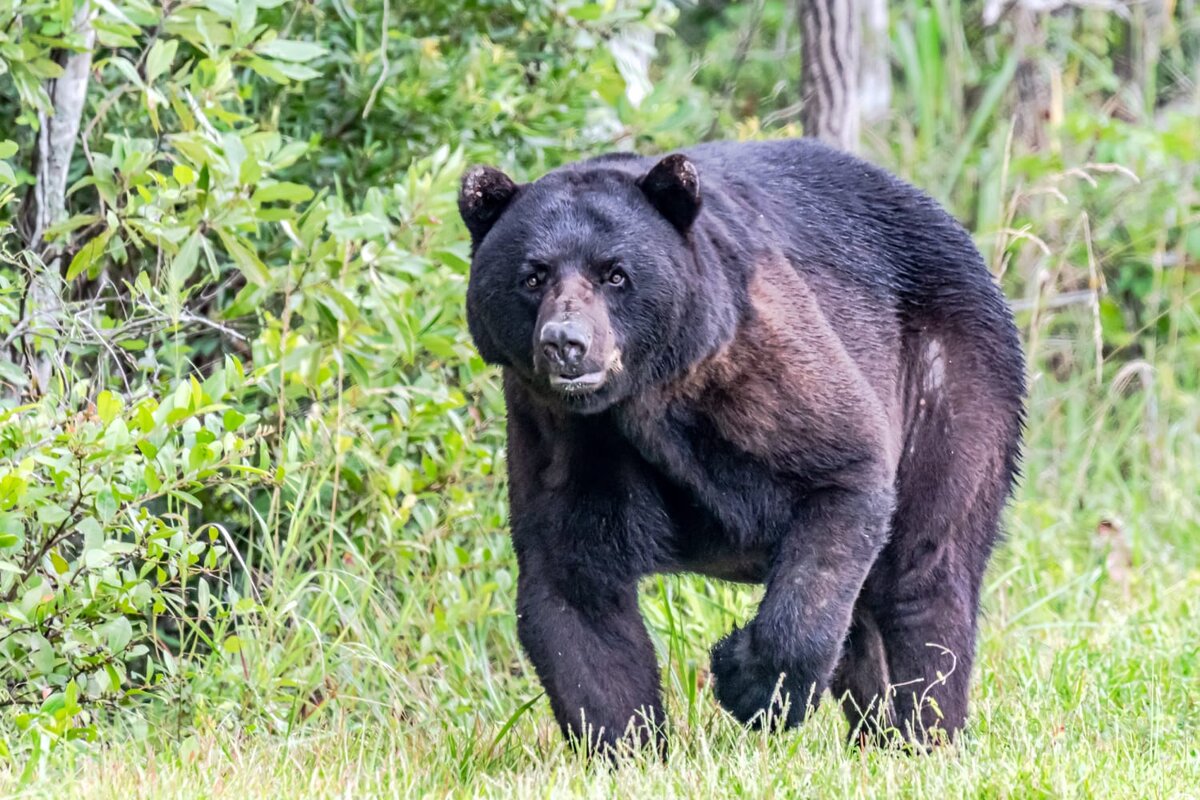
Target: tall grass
column 1087, row 682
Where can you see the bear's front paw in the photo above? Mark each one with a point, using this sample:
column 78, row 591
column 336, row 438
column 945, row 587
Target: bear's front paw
column 753, row 690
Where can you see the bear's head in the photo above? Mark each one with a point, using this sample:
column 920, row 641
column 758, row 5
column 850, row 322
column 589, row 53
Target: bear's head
column 582, row 283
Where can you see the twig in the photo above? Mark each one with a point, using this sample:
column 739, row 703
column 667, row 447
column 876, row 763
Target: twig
column 739, row 59
column 1058, row 301
column 1096, row 283
column 385, row 65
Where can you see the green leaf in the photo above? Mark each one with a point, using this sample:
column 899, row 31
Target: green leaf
column 71, row 699
column 1112, row 323
column 108, row 405
column 267, row 69
column 187, row 498
column 51, row 514
column 93, row 532
column 588, row 12
column 246, row 260
column 45, row 68
column 203, row 595
column 118, row 631
column 114, row 679
column 282, row 71
column 12, row 373
column 184, row 262
column 284, row 190
column 8, row 148
column 244, row 17
column 160, row 57
column 43, row 659
column 97, row 558
column 106, row 504
column 116, row 436
column 151, row 477
column 198, row 457
column 291, row 50
column 89, row 255
column 128, row 70
column 113, row 34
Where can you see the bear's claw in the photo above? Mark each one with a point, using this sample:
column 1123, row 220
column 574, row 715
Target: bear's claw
column 754, row 692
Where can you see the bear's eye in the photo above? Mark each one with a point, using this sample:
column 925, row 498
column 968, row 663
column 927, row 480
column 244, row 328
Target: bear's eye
column 616, row 278
column 536, row 275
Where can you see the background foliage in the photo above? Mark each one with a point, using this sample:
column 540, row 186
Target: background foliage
column 263, row 495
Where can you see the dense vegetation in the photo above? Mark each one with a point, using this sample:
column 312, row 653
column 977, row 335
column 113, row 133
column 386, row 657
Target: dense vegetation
column 251, row 468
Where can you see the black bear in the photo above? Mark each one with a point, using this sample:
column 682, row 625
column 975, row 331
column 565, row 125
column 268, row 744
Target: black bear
column 767, row 362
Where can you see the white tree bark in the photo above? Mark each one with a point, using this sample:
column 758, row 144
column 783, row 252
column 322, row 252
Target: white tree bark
column 46, row 203
column 1032, row 113
column 831, row 45
column 875, row 72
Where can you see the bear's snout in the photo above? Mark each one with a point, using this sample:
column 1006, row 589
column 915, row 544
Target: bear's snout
column 569, row 355
column 572, row 341
column 564, row 344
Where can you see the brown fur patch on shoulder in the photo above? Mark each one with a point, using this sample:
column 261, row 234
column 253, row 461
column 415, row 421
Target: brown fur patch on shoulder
column 784, row 383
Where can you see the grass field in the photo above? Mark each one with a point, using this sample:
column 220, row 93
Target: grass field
column 1087, row 683
column 252, row 528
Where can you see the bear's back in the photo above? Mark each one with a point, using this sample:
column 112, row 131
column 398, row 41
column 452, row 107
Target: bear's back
column 886, row 262
column 851, row 228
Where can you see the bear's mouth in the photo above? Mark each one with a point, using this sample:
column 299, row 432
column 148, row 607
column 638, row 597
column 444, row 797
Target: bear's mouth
column 579, row 384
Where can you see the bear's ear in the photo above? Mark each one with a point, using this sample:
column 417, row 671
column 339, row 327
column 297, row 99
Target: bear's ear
column 673, row 187
column 484, row 194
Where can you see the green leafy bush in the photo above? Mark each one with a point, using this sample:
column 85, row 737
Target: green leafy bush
column 101, row 544
column 267, row 417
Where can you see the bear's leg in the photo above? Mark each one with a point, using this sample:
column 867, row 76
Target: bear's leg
column 924, row 588
column 593, row 656
column 930, row 643
column 786, row 655
column 861, row 678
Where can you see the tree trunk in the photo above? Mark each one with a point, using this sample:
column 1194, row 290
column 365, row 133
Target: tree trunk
column 831, row 46
column 1033, row 86
column 1146, row 32
column 875, row 72
column 46, row 202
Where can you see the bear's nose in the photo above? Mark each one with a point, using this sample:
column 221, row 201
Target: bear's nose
column 564, row 344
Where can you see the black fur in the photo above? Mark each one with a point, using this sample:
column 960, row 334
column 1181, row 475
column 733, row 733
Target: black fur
column 673, row 188
column 484, row 195
column 809, row 379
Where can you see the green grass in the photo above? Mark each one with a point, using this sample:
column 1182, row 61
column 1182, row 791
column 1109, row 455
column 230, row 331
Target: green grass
column 1087, row 682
